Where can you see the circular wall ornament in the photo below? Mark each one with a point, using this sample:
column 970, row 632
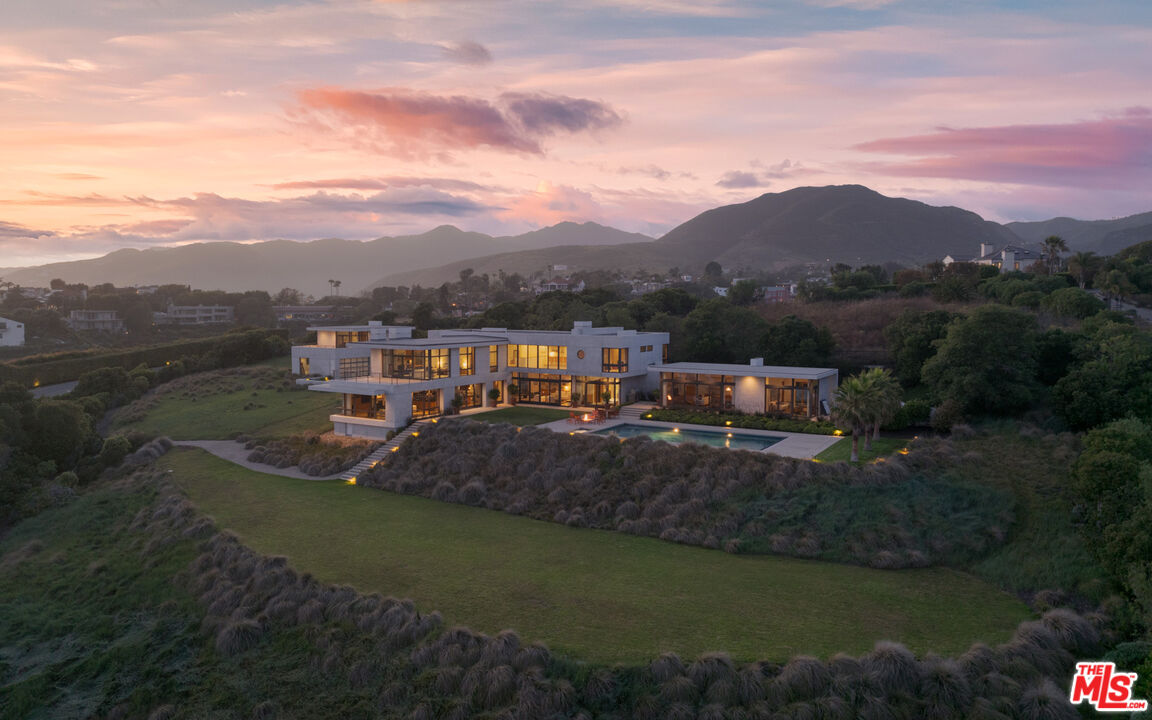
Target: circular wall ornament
column 580, row 354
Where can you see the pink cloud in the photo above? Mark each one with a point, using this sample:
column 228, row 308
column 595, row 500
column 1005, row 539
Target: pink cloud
column 381, row 183
column 407, row 121
column 1113, row 151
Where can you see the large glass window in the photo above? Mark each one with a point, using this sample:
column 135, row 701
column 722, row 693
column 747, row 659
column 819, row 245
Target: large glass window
column 714, row 392
column 354, row 367
column 614, row 360
column 417, row 364
column 343, row 338
column 305, row 366
column 789, row 396
column 467, row 361
column 425, row 403
column 551, row 357
column 493, row 358
column 472, row 396
column 365, row 406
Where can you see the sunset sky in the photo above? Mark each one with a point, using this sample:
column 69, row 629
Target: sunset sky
column 134, row 123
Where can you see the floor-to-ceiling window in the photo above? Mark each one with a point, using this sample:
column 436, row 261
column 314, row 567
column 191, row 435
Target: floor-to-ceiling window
column 425, row 403
column 550, row 357
column 363, row 406
column 423, row 364
column 471, row 396
column 789, row 396
column 713, row 392
column 467, row 361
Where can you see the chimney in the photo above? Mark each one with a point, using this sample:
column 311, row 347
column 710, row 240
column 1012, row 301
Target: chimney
column 757, row 362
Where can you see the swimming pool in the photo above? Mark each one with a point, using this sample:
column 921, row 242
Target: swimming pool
column 717, row 438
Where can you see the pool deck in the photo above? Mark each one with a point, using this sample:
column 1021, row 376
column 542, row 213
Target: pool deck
column 803, row 446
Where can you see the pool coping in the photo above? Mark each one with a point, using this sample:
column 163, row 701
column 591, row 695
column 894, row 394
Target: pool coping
column 803, row 446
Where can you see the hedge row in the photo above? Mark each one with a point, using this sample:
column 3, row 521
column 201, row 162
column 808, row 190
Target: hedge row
column 64, row 367
column 739, row 420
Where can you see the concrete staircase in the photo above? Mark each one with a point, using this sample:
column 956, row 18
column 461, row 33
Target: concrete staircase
column 636, row 411
column 383, row 451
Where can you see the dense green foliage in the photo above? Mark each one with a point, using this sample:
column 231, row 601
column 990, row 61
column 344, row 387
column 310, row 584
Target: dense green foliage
column 1110, row 377
column 906, row 512
column 986, row 364
column 741, row 420
column 314, row 454
column 1113, row 483
column 911, row 341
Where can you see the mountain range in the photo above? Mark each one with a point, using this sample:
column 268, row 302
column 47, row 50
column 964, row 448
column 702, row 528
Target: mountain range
column 807, row 225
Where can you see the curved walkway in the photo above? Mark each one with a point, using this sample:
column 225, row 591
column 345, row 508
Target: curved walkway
column 235, row 452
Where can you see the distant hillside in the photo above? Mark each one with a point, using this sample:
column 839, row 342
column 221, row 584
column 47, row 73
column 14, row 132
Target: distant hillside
column 845, row 223
column 306, row 266
column 1104, row 237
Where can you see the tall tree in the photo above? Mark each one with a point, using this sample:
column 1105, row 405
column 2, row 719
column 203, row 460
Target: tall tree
column 1083, row 265
column 884, row 395
column 1053, row 246
column 852, row 410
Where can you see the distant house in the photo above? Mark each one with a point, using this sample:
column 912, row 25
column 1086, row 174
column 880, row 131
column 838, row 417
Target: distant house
column 304, row 313
column 560, row 284
column 1006, row 259
column 106, row 320
column 11, row 333
column 778, row 293
column 197, row 315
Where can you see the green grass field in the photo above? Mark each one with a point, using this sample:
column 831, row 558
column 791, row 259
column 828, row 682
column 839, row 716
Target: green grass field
column 521, row 415
column 601, row 596
column 263, row 413
column 881, row 447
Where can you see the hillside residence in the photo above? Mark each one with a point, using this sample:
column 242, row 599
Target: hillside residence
column 384, row 381
column 1006, row 259
column 196, row 315
column 11, row 333
column 106, row 320
column 753, row 388
column 304, row 313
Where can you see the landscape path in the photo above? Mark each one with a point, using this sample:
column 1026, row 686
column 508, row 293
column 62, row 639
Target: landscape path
column 235, row 452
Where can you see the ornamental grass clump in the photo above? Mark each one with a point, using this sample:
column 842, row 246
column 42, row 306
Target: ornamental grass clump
column 712, row 497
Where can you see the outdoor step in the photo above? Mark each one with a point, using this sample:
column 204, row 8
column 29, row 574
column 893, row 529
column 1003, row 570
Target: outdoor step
column 382, row 452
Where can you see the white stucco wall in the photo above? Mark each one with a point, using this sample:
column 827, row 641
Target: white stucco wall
column 748, row 394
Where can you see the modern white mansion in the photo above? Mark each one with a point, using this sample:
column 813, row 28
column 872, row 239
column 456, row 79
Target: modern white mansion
column 385, row 376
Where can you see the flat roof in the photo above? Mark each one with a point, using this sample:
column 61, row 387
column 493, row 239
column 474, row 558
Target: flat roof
column 343, row 328
column 436, row 342
column 802, row 373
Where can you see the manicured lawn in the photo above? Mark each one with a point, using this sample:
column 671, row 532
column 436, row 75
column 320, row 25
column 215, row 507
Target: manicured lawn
column 265, row 413
column 601, row 596
column 520, row 415
column 881, row 447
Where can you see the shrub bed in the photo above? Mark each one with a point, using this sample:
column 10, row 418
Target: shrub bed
column 313, row 453
column 192, row 388
column 740, row 420
column 906, row 512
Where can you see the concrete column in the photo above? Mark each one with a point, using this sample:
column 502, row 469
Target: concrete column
column 397, row 408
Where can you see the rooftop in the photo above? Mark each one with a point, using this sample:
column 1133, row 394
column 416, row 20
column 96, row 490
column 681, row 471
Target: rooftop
column 800, row 373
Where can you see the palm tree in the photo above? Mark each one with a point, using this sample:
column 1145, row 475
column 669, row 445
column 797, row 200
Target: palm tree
column 1084, row 265
column 885, row 396
column 1115, row 285
column 1053, row 246
column 852, row 410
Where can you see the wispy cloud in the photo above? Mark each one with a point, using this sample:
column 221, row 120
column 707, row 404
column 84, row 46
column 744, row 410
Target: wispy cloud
column 382, row 183
column 734, row 179
column 406, row 121
column 467, row 52
column 1112, row 151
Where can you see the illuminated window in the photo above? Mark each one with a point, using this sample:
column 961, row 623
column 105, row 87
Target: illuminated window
column 493, row 358
column 467, row 361
column 614, row 360
column 551, row 357
column 664, row 353
column 354, row 367
column 305, row 366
